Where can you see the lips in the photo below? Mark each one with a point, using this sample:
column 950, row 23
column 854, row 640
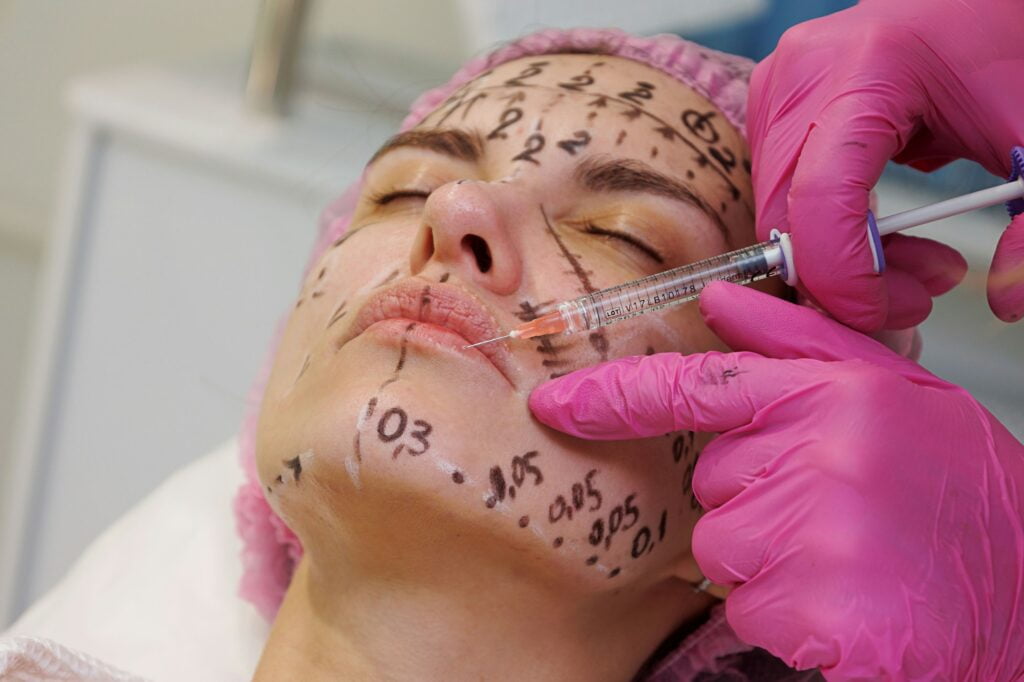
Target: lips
column 437, row 304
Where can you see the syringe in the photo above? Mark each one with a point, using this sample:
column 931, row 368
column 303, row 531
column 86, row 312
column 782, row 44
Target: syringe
column 744, row 266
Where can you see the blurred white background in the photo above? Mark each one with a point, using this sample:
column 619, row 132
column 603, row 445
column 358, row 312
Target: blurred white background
column 152, row 228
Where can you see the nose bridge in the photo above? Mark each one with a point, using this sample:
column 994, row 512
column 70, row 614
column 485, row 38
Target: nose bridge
column 466, row 226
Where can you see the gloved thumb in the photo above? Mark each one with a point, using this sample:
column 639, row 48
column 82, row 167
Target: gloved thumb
column 643, row 396
column 1006, row 276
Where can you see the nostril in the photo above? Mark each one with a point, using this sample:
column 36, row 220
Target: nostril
column 480, row 250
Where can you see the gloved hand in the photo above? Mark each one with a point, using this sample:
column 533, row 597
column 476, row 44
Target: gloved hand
column 922, row 82
column 869, row 515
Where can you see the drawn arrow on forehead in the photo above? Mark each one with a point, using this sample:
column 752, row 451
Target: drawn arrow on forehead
column 513, row 98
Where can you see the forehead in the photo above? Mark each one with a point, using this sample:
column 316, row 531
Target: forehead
column 605, row 104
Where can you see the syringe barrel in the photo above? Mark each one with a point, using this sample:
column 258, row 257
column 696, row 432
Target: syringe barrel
column 672, row 287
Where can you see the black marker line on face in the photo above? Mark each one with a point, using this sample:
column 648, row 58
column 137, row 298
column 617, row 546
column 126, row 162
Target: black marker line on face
column 632, row 112
column 298, row 303
column 524, row 521
column 614, row 572
column 597, row 338
column 591, row 560
column 620, row 138
column 305, row 366
column 370, row 407
column 557, row 543
column 473, row 100
column 338, row 313
column 458, row 477
column 403, row 349
column 320, row 276
column 444, row 278
column 295, row 465
column 316, row 294
column 667, row 132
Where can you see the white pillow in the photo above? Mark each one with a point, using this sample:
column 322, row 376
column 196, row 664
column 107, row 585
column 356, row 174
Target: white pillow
column 156, row 593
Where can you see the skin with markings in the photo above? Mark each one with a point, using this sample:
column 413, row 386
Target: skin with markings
column 447, row 534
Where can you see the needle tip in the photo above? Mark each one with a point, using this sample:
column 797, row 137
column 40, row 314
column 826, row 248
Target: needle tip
column 481, row 343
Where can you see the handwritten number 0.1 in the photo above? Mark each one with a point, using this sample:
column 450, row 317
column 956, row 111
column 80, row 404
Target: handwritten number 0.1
column 637, row 550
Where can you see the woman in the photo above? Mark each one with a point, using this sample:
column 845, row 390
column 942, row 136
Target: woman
column 445, row 534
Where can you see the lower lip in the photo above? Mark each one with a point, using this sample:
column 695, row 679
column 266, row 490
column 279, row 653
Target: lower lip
column 427, row 335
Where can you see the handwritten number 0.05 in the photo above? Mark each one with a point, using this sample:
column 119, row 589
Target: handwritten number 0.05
column 622, row 517
column 580, row 493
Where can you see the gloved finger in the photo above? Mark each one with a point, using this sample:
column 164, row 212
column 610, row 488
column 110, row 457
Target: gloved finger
column 747, row 319
column 775, row 143
column 936, row 266
column 842, row 159
column 736, row 459
column 735, row 541
column 643, row 396
column 1006, row 277
column 909, row 300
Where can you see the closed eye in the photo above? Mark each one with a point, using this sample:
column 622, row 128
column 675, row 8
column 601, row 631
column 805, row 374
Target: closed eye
column 628, row 238
column 384, row 198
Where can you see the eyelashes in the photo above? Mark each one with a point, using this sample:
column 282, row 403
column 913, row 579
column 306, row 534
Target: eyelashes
column 385, row 198
column 636, row 243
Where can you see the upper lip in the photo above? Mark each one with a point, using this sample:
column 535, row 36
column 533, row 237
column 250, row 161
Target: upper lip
column 443, row 305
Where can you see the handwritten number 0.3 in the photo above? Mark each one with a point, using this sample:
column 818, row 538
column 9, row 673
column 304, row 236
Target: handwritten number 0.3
column 392, row 426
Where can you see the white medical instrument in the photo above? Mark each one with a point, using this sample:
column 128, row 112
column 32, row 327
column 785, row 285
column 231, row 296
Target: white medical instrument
column 746, row 265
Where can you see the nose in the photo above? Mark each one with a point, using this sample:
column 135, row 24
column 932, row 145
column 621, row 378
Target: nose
column 466, row 227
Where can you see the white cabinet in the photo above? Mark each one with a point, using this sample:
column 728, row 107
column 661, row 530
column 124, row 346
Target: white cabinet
column 185, row 223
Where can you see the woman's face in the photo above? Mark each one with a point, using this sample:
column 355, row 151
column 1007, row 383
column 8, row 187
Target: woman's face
column 385, row 443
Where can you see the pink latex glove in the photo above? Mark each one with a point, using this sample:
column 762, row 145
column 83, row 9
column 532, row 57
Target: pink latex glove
column 922, row 82
column 869, row 515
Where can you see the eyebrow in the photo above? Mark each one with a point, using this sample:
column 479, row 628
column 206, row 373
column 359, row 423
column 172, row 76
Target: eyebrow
column 604, row 174
column 458, row 144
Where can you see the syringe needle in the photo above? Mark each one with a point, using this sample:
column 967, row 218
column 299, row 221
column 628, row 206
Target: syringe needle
column 480, row 343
